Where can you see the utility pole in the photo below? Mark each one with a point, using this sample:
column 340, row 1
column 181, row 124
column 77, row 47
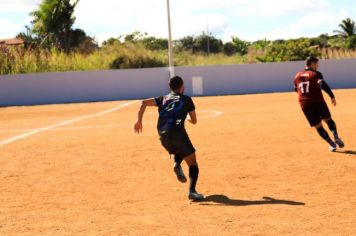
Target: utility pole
column 170, row 46
column 208, row 38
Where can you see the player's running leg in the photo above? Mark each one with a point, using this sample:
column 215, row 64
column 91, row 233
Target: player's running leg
column 332, row 127
column 177, row 168
column 322, row 132
column 193, row 176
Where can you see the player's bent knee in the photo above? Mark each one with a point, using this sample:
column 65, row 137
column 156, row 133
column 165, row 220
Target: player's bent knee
column 191, row 160
column 318, row 125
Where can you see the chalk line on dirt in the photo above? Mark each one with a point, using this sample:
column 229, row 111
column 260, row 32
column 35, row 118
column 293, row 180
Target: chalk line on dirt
column 63, row 123
column 213, row 114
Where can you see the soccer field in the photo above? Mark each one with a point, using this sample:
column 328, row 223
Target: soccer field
column 80, row 169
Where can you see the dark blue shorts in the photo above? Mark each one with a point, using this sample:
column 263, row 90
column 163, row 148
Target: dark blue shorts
column 177, row 143
column 316, row 112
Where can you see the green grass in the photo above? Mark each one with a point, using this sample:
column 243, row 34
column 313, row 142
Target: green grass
column 189, row 59
column 20, row 60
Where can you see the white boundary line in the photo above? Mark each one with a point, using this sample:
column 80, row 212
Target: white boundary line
column 36, row 131
column 214, row 114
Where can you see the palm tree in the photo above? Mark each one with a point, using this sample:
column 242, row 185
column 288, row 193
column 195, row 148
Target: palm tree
column 53, row 22
column 348, row 28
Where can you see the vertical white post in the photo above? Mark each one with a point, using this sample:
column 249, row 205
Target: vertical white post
column 170, row 46
column 197, row 84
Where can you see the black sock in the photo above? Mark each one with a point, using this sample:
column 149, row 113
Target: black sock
column 178, row 159
column 322, row 132
column 332, row 127
column 193, row 176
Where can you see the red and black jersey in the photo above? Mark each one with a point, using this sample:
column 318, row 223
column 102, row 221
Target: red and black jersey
column 307, row 84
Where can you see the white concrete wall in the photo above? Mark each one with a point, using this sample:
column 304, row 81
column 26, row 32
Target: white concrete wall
column 47, row 88
column 270, row 77
column 68, row 87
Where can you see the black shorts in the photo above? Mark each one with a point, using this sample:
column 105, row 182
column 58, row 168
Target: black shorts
column 316, row 112
column 177, row 143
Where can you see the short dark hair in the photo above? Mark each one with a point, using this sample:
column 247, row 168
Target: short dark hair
column 175, row 83
column 311, row 60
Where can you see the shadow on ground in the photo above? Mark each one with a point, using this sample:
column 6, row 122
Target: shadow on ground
column 224, row 200
column 348, row 152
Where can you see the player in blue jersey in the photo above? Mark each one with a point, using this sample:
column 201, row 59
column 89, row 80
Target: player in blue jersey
column 173, row 109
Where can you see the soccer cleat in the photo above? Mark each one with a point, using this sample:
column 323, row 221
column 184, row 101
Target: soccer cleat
column 333, row 148
column 339, row 142
column 179, row 172
column 195, row 196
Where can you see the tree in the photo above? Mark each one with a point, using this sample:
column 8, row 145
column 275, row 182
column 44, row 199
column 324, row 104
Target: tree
column 154, row 43
column 261, row 44
column 83, row 43
column 321, row 41
column 348, row 28
column 187, row 43
column 351, row 42
column 135, row 37
column 149, row 42
column 29, row 40
column 111, row 41
column 241, row 45
column 53, row 22
column 230, row 49
column 290, row 50
column 208, row 43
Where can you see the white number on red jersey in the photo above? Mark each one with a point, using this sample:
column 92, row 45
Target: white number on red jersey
column 304, row 87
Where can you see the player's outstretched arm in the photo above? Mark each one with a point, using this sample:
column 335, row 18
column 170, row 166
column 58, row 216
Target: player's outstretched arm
column 193, row 117
column 145, row 103
column 324, row 86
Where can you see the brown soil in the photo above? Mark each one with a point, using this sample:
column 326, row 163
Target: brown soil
column 263, row 170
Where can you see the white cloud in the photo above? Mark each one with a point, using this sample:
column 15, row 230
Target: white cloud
column 273, row 8
column 308, row 25
column 112, row 18
column 10, row 6
column 9, row 29
column 193, row 17
column 151, row 16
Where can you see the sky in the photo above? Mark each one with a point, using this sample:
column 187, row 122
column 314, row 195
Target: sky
column 247, row 19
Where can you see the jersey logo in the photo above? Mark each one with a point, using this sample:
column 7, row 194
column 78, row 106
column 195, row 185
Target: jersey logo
column 170, row 113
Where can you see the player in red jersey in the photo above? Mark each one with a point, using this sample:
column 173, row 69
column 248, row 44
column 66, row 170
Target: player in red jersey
column 309, row 83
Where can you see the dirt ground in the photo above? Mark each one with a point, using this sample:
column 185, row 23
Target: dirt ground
column 79, row 169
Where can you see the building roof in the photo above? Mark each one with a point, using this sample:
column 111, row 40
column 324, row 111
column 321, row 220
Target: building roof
column 11, row 42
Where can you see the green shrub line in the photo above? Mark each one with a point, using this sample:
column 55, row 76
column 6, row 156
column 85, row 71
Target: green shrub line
column 118, row 55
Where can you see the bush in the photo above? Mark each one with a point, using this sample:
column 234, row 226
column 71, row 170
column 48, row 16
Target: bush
column 153, row 43
column 186, row 44
column 133, row 55
column 208, row 43
column 201, row 43
column 261, row 44
column 321, row 41
column 230, row 48
column 241, row 45
column 124, row 62
column 7, row 61
column 291, row 50
column 351, row 42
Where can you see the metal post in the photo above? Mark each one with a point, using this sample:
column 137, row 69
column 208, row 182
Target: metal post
column 170, row 46
column 208, row 38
